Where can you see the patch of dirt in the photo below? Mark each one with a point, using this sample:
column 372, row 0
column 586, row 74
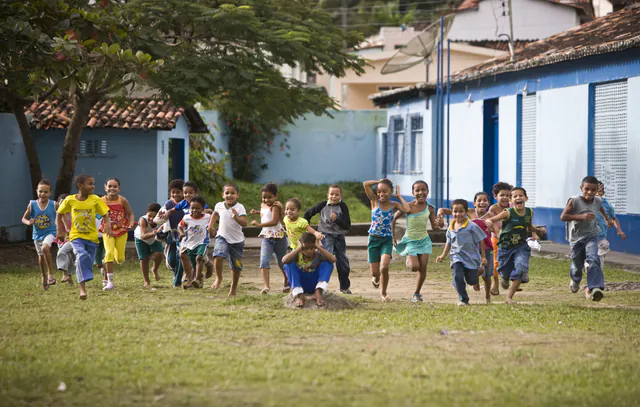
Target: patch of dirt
column 624, row 286
column 331, row 302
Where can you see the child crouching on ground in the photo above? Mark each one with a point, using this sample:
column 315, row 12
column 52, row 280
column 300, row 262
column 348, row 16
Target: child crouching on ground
column 463, row 239
column 309, row 269
column 147, row 246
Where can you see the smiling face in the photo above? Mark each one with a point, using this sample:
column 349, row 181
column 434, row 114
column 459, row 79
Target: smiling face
column 383, row 192
column 518, row 199
column 589, row 191
column 291, row 211
column 151, row 216
column 189, row 192
column 112, row 188
column 44, row 192
column 196, row 209
column 87, row 187
column 482, row 204
column 503, row 198
column 230, row 195
column 177, row 195
column 459, row 213
column 420, row 192
column 268, row 198
column 334, row 196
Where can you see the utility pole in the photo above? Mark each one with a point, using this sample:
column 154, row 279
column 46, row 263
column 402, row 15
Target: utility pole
column 511, row 46
column 344, row 15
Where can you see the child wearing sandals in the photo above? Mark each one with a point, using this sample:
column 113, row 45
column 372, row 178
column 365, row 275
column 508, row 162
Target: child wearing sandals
column 380, row 243
column 274, row 239
column 502, row 194
column 463, row 239
column 83, row 234
column 194, row 229
column 147, row 246
column 41, row 215
column 309, row 269
column 416, row 243
column 478, row 214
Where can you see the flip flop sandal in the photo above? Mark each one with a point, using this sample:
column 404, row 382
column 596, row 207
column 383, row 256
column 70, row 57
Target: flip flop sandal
column 52, row 281
column 386, row 298
column 376, row 284
column 45, row 287
column 265, row 291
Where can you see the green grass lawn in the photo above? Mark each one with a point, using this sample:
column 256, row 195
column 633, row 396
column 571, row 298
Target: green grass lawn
column 196, row 348
column 308, row 194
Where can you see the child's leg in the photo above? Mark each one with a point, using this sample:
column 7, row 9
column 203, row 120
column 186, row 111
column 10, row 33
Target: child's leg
column 179, row 271
column 280, row 248
column 220, row 252
column 65, row 261
column 157, row 261
column 187, row 267
column 144, row 253
column 384, row 271
column 266, row 252
column 323, row 271
column 144, row 268
column 85, row 252
column 488, row 275
column 495, row 286
column 295, row 278
column 595, row 276
column 46, row 250
column 423, row 261
column 43, row 270
column 578, row 257
column 373, row 258
column 520, row 273
column 109, row 258
column 218, row 263
column 235, row 261
column 342, row 261
column 471, row 277
column 457, row 271
column 99, row 261
column 200, row 262
column 121, row 247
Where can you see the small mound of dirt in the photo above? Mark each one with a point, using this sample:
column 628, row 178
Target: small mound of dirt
column 624, row 286
column 331, row 301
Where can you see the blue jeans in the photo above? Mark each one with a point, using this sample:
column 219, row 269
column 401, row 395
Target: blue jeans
column 303, row 282
column 488, row 270
column 268, row 247
column 513, row 263
column 460, row 274
column 336, row 245
column 85, row 251
column 173, row 259
column 586, row 249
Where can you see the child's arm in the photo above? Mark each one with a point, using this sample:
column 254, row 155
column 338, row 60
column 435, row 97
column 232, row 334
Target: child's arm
column 61, row 228
column 240, row 219
column 444, row 254
column 279, row 205
column 275, row 218
column 501, row 216
column 318, row 235
column 129, row 211
column 344, row 220
column 619, row 229
column 142, row 224
column 432, row 218
column 212, row 221
column 311, row 212
column 403, row 205
column 369, row 191
column 396, row 216
column 324, row 252
column 27, row 219
column 610, row 222
column 107, row 225
column 291, row 257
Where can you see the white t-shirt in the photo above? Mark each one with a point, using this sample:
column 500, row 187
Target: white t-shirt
column 196, row 231
column 138, row 232
column 229, row 228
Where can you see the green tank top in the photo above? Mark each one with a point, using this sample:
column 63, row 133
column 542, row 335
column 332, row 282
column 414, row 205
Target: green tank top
column 514, row 229
column 417, row 225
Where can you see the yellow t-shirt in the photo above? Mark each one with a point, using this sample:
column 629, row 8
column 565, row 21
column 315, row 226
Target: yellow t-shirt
column 295, row 230
column 83, row 216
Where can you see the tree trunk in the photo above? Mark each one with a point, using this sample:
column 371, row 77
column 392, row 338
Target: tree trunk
column 29, row 146
column 81, row 108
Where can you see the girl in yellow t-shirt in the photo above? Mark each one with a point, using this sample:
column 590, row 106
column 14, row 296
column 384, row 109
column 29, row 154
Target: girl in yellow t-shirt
column 295, row 224
column 83, row 234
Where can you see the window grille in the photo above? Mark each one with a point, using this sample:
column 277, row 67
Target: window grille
column 416, row 144
column 528, row 168
column 610, row 141
column 92, row 147
column 397, row 145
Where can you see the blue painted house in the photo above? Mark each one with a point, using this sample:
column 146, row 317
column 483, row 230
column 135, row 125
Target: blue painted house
column 561, row 110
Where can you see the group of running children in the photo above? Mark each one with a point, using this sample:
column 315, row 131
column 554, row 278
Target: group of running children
column 491, row 241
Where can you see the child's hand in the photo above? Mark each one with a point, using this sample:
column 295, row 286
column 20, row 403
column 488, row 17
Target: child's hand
column 31, row 221
column 397, row 191
column 440, row 221
column 333, row 216
column 278, row 204
column 622, row 235
column 535, row 236
column 319, row 235
column 318, row 244
column 213, row 232
column 162, row 215
column 395, row 243
column 255, row 223
column 254, row 212
column 439, row 259
column 488, row 222
column 610, row 223
column 589, row 216
column 484, row 262
column 234, row 212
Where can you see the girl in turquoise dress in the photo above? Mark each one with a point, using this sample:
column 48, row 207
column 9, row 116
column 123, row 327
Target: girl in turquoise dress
column 416, row 243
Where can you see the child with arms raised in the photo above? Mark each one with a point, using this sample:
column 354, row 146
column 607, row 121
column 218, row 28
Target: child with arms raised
column 380, row 243
column 334, row 223
column 416, row 243
column 147, row 246
column 231, row 217
column 309, row 268
column 194, row 229
column 465, row 246
column 582, row 234
column 513, row 251
column 41, row 215
column 83, row 234
column 273, row 235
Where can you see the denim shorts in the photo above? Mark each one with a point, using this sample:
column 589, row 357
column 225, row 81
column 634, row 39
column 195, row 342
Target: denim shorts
column 269, row 246
column 230, row 251
column 488, row 270
column 513, row 262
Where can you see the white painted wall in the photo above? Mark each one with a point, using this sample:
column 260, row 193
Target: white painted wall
column 633, row 139
column 532, row 20
column 466, row 138
column 562, row 144
column 507, row 139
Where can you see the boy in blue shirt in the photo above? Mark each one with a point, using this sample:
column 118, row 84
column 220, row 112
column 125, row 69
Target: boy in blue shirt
column 465, row 241
column 603, row 243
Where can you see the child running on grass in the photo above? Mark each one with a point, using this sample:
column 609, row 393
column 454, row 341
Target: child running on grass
column 465, row 246
column 41, row 215
column 603, row 242
column 309, row 268
column 194, row 229
column 380, row 236
column 502, row 194
column 334, row 223
column 582, row 234
column 416, row 243
column 274, row 239
column 478, row 214
column 147, row 246
column 99, row 261
column 169, row 232
column 514, row 251
column 83, row 234
column 65, row 259
column 231, row 217
column 295, row 224
column 121, row 220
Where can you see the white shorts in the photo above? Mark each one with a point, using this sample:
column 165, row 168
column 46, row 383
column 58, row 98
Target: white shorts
column 603, row 247
column 48, row 240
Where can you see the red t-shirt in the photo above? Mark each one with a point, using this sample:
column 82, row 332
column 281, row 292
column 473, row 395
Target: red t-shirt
column 487, row 241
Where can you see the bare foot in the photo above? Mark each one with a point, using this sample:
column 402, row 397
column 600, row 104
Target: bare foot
column 147, row 284
column 319, row 300
column 299, row 302
column 156, row 275
column 476, row 287
column 216, row 284
column 231, row 294
column 509, row 301
column 209, row 266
